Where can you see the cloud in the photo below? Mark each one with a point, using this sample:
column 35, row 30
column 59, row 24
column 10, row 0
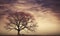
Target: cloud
column 7, row 1
column 31, row 5
column 53, row 4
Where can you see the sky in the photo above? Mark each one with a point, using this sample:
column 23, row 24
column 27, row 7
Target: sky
column 46, row 12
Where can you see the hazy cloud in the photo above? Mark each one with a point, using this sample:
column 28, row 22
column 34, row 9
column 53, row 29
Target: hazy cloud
column 32, row 5
column 53, row 4
column 7, row 1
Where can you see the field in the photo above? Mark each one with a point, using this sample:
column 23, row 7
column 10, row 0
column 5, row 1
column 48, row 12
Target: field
column 30, row 35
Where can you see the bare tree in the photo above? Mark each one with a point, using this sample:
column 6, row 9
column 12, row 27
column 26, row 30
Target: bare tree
column 20, row 20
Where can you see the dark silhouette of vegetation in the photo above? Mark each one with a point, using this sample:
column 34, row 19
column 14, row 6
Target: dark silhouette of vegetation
column 20, row 20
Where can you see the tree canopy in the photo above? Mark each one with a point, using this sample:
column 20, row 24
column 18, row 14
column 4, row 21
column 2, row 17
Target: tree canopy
column 20, row 20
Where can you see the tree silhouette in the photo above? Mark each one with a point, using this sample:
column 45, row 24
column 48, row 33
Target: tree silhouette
column 19, row 21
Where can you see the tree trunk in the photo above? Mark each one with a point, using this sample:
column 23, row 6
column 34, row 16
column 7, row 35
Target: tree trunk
column 18, row 32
